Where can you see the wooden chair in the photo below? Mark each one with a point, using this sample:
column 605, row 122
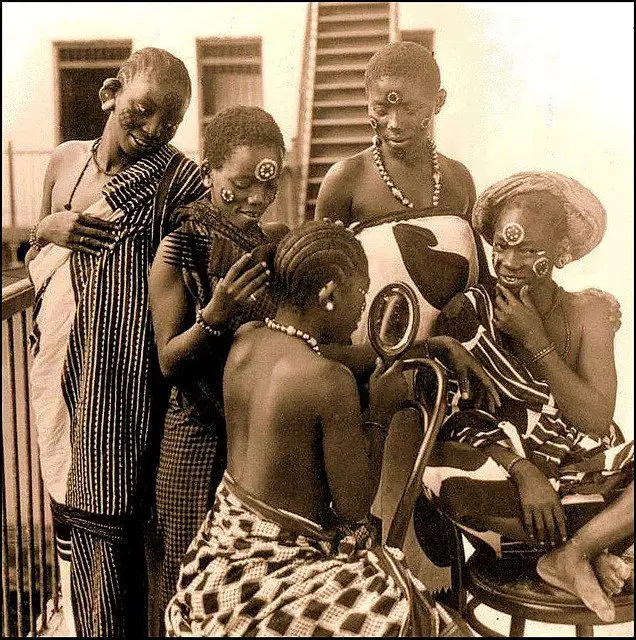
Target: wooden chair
column 509, row 585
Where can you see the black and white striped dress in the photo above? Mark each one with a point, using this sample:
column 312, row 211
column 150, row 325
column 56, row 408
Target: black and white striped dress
column 109, row 362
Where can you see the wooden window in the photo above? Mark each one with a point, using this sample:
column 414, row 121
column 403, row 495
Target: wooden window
column 229, row 73
column 81, row 67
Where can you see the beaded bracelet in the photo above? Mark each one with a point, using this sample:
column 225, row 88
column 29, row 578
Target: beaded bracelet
column 542, row 353
column 209, row 329
column 384, row 430
column 33, row 237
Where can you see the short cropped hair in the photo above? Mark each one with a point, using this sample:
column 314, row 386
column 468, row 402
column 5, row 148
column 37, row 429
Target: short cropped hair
column 236, row 127
column 165, row 67
column 405, row 59
column 311, row 255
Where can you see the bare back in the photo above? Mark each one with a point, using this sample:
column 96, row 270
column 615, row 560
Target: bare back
column 293, row 425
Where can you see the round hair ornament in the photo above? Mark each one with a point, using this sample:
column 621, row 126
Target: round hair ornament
column 513, row 233
column 266, row 169
column 394, row 97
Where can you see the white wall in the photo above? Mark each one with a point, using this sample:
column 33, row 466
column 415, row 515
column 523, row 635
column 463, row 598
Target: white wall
column 28, row 29
column 547, row 86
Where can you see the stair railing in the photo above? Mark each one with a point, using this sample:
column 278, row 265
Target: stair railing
column 306, row 103
column 394, row 22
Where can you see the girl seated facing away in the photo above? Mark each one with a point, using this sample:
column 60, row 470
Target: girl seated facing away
column 287, row 547
column 504, row 473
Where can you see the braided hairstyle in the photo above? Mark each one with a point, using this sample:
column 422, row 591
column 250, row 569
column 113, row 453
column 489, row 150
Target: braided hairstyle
column 237, row 127
column 406, row 60
column 165, row 67
column 312, row 255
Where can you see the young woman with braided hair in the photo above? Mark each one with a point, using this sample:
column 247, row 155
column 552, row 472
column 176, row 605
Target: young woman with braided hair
column 286, row 549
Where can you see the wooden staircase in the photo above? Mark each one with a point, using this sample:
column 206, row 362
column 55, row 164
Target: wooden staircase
column 333, row 123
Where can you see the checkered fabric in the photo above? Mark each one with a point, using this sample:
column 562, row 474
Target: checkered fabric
column 193, row 457
column 245, row 574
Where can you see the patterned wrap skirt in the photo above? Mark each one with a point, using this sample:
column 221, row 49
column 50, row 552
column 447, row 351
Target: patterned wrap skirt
column 254, row 570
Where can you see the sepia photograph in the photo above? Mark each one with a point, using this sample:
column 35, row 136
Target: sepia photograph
column 318, row 319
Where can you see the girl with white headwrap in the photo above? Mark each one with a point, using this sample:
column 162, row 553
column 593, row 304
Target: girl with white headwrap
column 507, row 473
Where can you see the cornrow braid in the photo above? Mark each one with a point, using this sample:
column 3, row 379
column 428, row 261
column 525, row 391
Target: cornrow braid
column 165, row 67
column 312, row 255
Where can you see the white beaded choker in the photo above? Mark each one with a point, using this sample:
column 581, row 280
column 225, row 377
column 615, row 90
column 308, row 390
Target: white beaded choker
column 395, row 191
column 292, row 331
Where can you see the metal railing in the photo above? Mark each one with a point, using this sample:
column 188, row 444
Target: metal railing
column 29, row 569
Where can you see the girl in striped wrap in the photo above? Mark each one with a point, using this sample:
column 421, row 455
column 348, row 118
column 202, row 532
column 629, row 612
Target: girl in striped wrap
column 510, row 471
column 107, row 203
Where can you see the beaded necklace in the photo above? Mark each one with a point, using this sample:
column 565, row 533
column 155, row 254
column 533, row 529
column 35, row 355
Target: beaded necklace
column 99, row 166
column 292, row 331
column 395, row 191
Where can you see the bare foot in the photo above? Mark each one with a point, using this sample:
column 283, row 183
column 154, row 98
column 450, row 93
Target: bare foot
column 567, row 568
column 611, row 571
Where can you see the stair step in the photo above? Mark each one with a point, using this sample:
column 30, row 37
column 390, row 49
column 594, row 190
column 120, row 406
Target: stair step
column 335, row 86
column 347, row 35
column 311, row 203
column 334, row 6
column 328, row 104
column 366, row 140
column 354, row 17
column 346, row 51
column 338, row 68
column 315, row 180
column 328, row 122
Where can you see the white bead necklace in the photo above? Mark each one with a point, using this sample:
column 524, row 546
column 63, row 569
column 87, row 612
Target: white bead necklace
column 292, row 331
column 395, row 191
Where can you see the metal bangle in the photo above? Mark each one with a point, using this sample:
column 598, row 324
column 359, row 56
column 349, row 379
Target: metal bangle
column 33, row 237
column 542, row 353
column 384, row 430
column 209, row 329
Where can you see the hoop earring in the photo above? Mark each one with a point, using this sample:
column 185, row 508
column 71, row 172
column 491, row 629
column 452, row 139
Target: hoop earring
column 374, row 124
column 562, row 260
column 424, row 124
column 227, row 195
column 541, row 267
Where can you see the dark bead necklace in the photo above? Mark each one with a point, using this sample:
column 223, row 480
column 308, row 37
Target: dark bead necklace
column 67, row 206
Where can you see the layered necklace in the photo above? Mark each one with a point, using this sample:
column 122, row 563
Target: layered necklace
column 395, row 191
column 292, row 331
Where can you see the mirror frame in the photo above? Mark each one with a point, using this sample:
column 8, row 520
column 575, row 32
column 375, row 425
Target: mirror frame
column 405, row 343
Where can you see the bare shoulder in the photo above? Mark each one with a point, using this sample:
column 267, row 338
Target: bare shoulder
column 342, row 172
column 458, row 172
column 248, row 328
column 67, row 154
column 594, row 308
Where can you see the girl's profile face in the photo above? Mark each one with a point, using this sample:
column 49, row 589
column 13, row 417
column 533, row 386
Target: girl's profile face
column 247, row 183
column 148, row 113
column 349, row 303
column 524, row 243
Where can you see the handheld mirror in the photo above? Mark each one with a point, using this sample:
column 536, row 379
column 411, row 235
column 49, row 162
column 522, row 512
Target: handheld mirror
column 394, row 318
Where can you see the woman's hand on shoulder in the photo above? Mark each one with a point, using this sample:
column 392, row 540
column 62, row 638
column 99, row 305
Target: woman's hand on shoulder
column 243, row 282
